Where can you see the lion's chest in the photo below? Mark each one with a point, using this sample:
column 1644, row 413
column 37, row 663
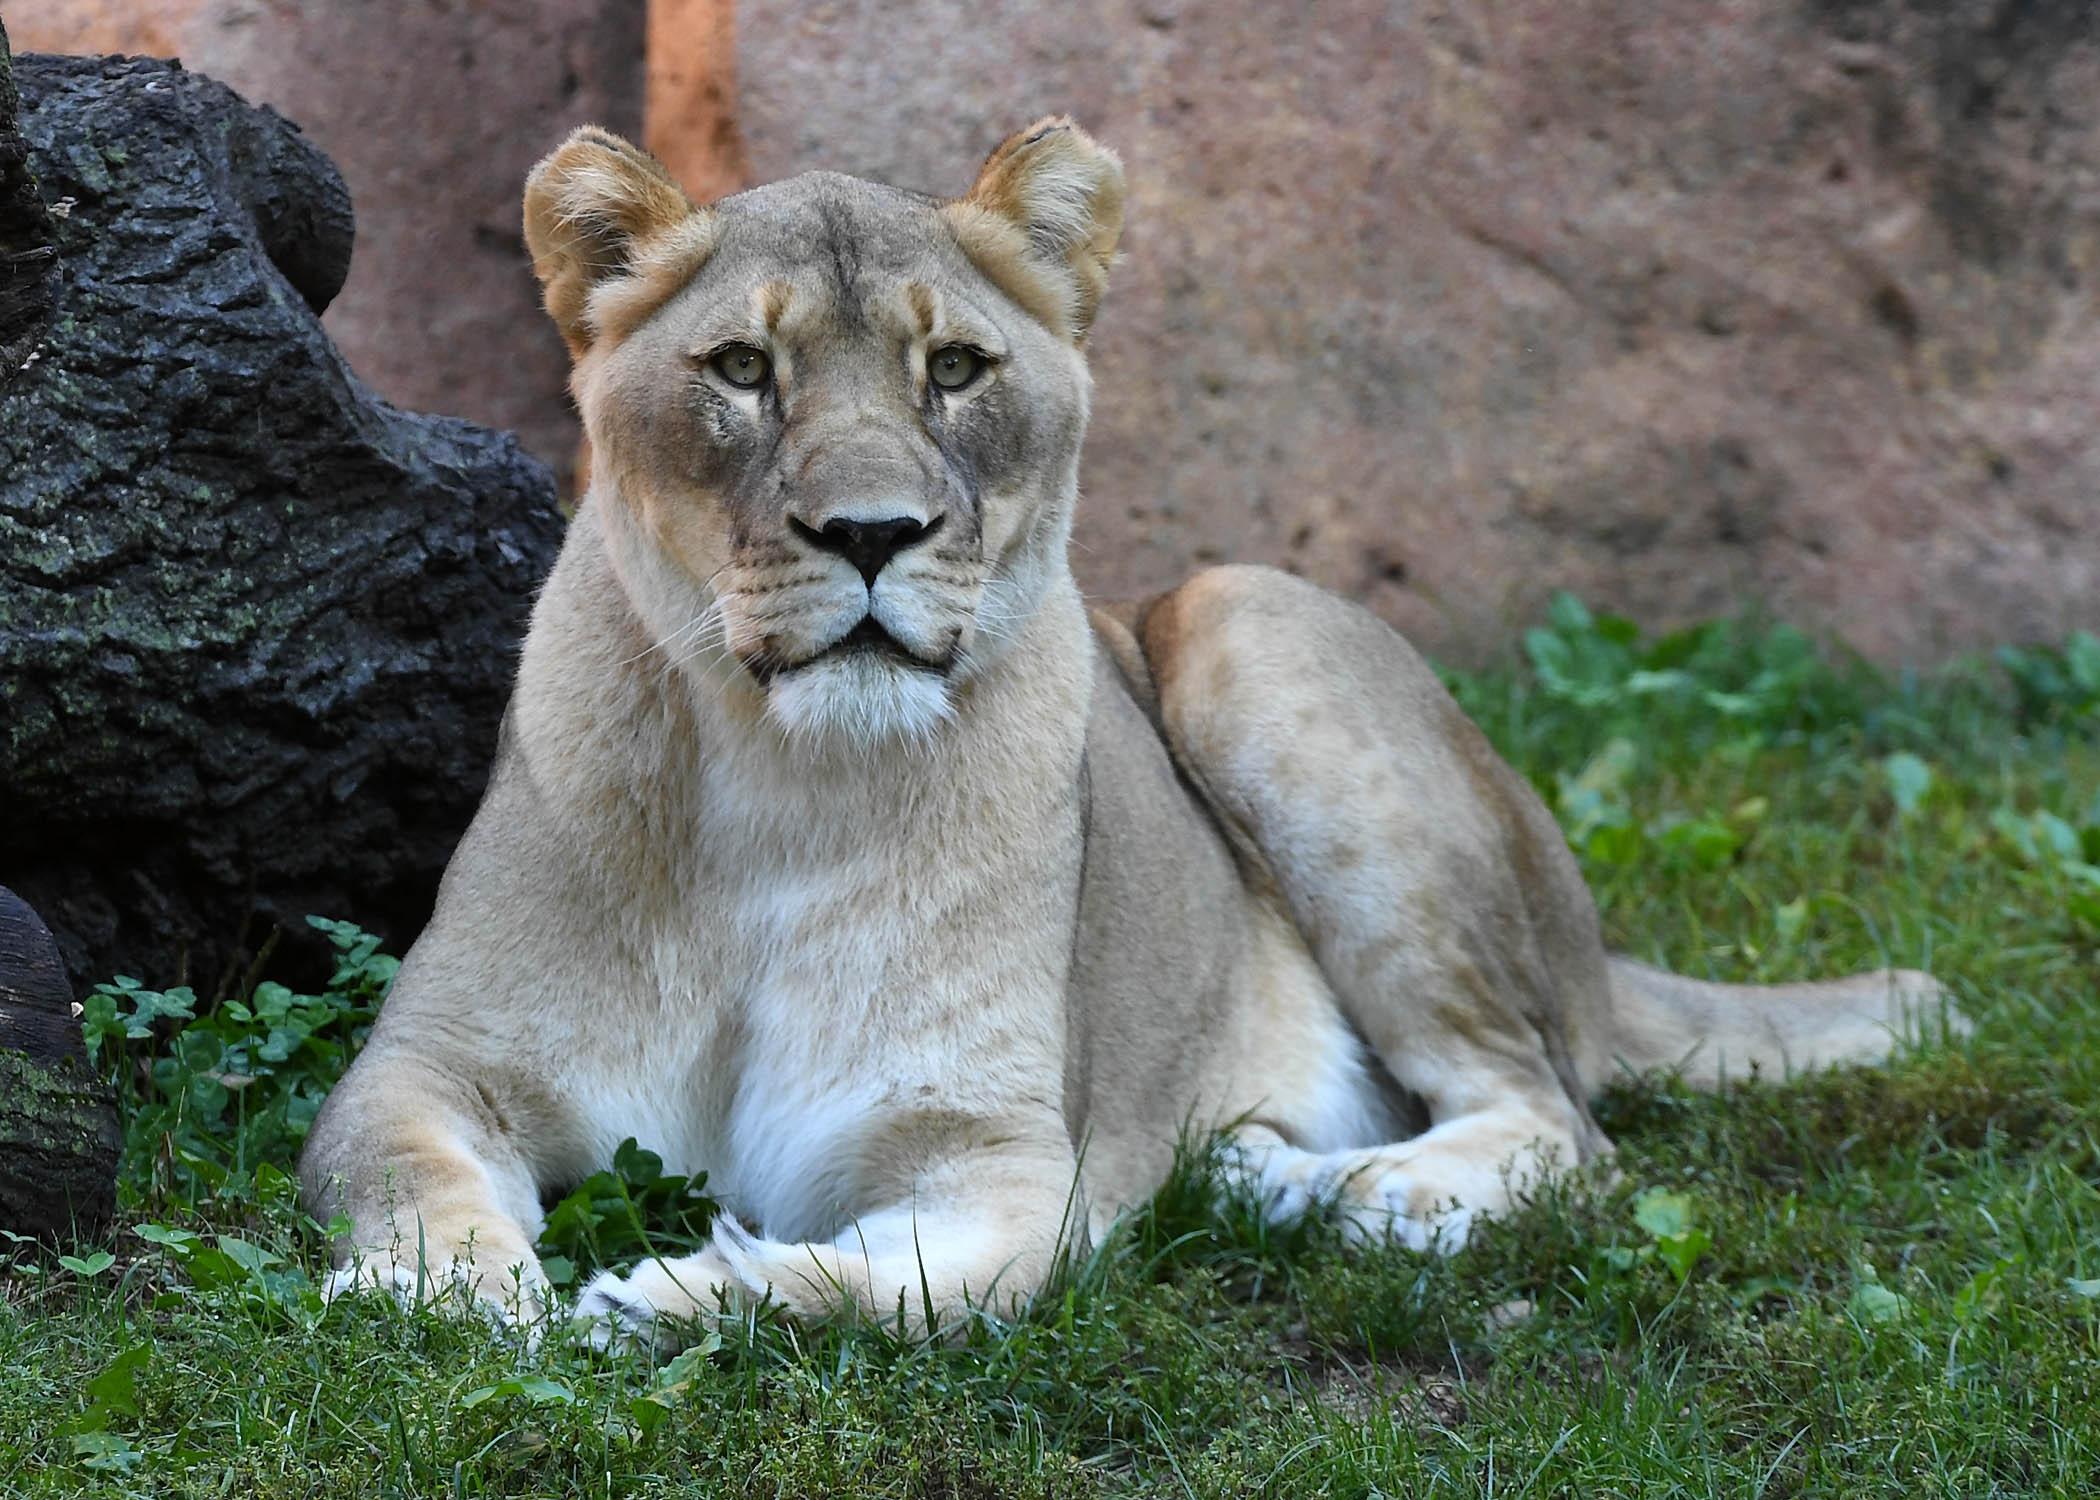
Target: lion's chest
column 801, row 1008
column 829, row 957
column 814, row 1009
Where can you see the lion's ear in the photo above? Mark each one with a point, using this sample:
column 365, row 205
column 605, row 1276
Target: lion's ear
column 591, row 205
column 1063, row 192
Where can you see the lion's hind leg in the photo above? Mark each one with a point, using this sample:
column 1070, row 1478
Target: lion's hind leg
column 1435, row 892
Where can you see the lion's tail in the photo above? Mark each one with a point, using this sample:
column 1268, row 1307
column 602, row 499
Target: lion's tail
column 1708, row 1032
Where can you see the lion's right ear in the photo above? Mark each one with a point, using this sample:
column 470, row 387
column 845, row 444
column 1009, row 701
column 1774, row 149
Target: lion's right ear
column 595, row 207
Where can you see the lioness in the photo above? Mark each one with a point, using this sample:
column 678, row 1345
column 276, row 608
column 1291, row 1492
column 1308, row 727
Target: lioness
column 833, row 847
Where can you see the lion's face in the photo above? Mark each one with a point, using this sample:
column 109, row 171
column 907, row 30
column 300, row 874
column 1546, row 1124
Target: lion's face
column 851, row 445
column 836, row 425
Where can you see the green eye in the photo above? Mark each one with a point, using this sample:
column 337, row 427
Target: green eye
column 743, row 366
column 954, row 367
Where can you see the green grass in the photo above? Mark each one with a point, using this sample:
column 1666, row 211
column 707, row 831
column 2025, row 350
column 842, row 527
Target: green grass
column 1873, row 1282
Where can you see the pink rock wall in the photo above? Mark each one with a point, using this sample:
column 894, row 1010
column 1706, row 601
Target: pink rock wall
column 1681, row 304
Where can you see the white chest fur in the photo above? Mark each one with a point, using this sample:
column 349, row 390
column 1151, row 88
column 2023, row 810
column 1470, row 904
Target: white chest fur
column 833, row 948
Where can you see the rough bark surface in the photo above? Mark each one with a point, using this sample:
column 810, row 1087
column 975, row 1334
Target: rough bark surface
column 434, row 110
column 28, row 259
column 58, row 1150
column 257, row 628
column 59, row 1137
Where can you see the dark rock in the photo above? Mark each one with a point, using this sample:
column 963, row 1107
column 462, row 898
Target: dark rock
column 36, row 1001
column 59, row 1138
column 257, row 628
column 434, row 112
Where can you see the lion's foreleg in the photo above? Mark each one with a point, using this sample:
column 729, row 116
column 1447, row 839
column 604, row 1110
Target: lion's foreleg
column 440, row 1205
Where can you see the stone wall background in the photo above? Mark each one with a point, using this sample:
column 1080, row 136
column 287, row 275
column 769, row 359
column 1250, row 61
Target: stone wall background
column 1681, row 304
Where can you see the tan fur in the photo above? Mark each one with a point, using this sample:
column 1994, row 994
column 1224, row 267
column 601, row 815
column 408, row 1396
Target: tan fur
column 1043, row 219
column 595, row 211
column 927, row 951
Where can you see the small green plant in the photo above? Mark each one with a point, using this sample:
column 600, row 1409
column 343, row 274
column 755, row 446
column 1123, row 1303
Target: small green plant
column 209, row 1099
column 1597, row 816
column 88, row 1267
column 1871, row 1302
column 672, row 1384
column 1737, row 677
column 2055, row 684
column 533, row 1389
column 1909, row 780
column 1674, row 1236
column 633, row 1209
column 2060, row 855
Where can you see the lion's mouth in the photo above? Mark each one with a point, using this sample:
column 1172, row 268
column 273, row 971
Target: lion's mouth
column 870, row 639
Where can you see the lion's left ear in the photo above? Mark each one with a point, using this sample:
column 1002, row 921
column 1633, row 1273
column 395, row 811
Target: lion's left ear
column 1043, row 219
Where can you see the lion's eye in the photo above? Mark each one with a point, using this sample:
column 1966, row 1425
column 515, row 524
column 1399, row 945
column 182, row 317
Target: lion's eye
column 954, row 367
column 743, row 366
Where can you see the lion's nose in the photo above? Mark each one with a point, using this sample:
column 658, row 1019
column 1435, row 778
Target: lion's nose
column 868, row 545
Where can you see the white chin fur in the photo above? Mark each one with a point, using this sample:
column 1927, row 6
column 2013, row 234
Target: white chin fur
column 861, row 700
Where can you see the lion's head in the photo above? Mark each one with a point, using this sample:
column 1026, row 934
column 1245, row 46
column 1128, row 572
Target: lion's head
column 835, row 426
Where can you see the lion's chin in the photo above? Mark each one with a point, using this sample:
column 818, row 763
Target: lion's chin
column 859, row 699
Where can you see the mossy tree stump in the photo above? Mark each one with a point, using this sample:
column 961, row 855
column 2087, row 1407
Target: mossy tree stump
column 59, row 1137
column 257, row 627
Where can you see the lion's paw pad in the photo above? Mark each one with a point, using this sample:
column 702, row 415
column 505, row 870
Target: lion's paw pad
column 1394, row 1206
column 348, row 1281
column 615, row 1314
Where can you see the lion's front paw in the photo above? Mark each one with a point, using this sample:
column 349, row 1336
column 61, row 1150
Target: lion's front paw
column 613, row 1315
column 450, row 1286
column 379, row 1274
column 655, row 1306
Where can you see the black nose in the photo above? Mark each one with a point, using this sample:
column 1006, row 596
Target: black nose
column 868, row 545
